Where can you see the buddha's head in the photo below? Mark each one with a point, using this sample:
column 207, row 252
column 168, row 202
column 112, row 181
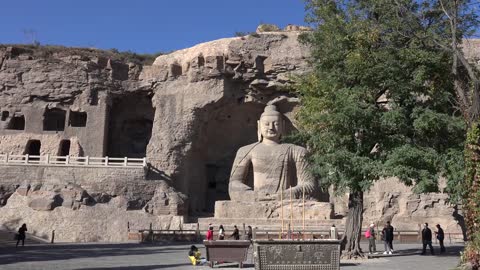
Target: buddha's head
column 271, row 124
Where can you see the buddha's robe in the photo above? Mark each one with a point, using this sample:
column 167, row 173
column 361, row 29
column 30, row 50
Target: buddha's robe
column 276, row 168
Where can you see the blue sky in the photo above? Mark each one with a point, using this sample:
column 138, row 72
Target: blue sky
column 143, row 26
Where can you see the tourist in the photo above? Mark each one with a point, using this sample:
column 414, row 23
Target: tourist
column 195, row 256
column 333, row 232
column 393, row 237
column 210, row 233
column 236, row 233
column 21, row 234
column 221, row 233
column 427, row 239
column 370, row 235
column 440, row 236
column 249, row 233
column 387, row 237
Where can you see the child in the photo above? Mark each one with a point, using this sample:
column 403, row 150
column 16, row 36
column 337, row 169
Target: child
column 194, row 256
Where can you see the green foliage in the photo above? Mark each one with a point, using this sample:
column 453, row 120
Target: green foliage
column 380, row 101
column 48, row 51
column 140, row 59
column 471, row 252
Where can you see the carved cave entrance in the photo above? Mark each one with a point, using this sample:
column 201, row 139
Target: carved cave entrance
column 17, row 123
column 130, row 125
column 64, row 149
column 54, row 120
column 33, row 147
column 226, row 130
column 5, row 115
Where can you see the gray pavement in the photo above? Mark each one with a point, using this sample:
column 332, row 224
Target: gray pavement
column 174, row 256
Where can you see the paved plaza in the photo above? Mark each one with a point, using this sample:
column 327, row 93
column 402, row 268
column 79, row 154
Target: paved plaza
column 135, row 256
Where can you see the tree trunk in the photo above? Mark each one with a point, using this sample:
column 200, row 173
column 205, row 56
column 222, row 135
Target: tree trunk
column 353, row 227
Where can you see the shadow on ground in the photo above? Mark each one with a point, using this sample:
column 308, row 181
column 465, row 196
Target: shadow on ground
column 9, row 255
column 452, row 251
column 138, row 267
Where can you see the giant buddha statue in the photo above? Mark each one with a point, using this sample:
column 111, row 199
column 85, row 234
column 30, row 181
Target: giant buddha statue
column 277, row 167
column 268, row 177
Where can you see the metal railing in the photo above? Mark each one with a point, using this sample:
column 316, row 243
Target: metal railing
column 48, row 160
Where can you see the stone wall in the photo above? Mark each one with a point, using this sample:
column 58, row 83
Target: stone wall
column 96, row 201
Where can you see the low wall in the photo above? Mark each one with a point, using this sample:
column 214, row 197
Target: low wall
column 74, row 174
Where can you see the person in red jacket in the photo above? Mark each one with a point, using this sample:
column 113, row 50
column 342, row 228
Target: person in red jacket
column 210, row 233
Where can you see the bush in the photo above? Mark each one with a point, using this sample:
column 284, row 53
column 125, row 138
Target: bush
column 471, row 254
column 267, row 28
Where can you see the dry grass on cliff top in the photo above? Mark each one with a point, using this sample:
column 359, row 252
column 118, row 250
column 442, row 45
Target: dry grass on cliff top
column 47, row 51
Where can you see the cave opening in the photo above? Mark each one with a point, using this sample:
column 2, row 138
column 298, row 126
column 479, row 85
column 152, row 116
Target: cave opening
column 77, row 119
column 17, row 122
column 33, row 147
column 64, row 148
column 5, row 115
column 54, row 120
column 130, row 125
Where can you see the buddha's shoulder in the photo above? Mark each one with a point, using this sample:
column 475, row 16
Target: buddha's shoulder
column 294, row 147
column 246, row 148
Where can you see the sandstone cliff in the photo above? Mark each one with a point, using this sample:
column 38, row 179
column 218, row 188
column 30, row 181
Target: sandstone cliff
column 187, row 113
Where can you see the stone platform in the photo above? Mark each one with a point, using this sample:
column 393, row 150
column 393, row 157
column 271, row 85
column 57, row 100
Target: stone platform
column 272, row 210
column 267, row 215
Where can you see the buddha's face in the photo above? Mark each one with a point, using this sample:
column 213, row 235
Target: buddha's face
column 271, row 127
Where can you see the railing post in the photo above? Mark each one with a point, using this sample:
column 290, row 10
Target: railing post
column 87, row 160
column 125, row 161
column 144, row 162
column 67, row 160
column 106, row 161
column 26, row 159
column 7, row 157
column 53, row 237
column 47, row 159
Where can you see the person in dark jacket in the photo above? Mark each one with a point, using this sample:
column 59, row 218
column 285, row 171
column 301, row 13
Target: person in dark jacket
column 387, row 237
column 371, row 236
column 21, row 234
column 236, row 233
column 427, row 239
column 440, row 236
column 250, row 233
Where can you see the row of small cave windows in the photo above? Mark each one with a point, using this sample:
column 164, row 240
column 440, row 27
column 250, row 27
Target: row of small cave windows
column 53, row 120
column 33, row 147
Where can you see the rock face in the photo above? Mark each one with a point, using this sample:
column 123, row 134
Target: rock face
column 187, row 113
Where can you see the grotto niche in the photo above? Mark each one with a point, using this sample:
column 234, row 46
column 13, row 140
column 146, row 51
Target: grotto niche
column 130, row 122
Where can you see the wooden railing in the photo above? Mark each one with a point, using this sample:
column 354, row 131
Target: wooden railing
column 72, row 161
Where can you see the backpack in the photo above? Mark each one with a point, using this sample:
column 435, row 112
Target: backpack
column 367, row 233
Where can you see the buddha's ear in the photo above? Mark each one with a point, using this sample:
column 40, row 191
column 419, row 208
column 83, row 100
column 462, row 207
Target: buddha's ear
column 259, row 132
